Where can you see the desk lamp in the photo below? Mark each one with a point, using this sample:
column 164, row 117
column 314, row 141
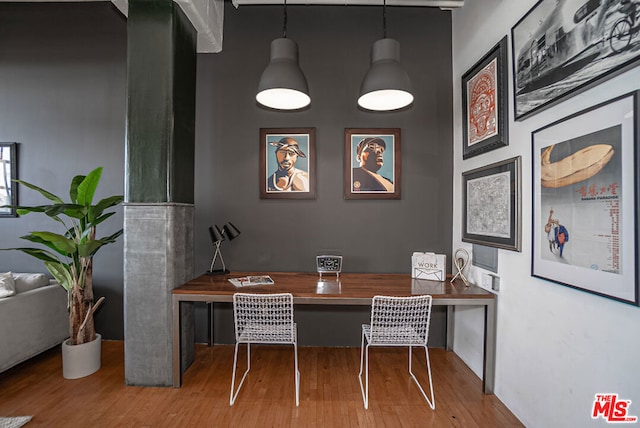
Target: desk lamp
column 217, row 236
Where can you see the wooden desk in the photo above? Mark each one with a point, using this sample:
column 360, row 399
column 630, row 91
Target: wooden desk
column 350, row 289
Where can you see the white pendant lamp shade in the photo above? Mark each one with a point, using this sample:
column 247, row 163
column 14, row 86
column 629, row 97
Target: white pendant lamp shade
column 386, row 86
column 282, row 84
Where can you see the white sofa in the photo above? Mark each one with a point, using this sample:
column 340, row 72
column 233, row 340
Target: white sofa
column 32, row 320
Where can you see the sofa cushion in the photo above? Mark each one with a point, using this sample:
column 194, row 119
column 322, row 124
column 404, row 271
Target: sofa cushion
column 29, row 281
column 7, row 285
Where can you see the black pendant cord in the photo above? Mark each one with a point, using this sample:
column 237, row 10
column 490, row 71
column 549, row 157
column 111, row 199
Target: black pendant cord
column 384, row 19
column 284, row 28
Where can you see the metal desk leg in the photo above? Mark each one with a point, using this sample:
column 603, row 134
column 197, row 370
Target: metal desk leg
column 489, row 372
column 183, row 337
column 177, row 376
column 210, row 323
column 450, row 327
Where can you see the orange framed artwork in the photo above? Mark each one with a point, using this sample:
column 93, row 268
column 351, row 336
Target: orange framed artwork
column 485, row 113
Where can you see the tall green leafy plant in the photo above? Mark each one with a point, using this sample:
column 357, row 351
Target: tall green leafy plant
column 69, row 257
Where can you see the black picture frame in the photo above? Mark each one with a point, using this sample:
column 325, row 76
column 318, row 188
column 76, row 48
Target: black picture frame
column 485, row 113
column 8, row 173
column 585, row 200
column 562, row 47
column 302, row 184
column 491, row 205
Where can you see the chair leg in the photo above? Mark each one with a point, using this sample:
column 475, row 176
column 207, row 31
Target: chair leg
column 431, row 402
column 361, row 355
column 234, row 392
column 364, row 389
column 297, row 373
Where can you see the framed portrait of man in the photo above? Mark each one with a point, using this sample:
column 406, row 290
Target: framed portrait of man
column 372, row 163
column 287, row 163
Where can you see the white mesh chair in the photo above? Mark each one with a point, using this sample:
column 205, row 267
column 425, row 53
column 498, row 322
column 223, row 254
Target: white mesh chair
column 263, row 318
column 397, row 321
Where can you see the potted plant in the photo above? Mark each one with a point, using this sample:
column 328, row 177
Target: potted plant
column 69, row 257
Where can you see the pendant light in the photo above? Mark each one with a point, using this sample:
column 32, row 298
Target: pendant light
column 282, row 85
column 386, row 86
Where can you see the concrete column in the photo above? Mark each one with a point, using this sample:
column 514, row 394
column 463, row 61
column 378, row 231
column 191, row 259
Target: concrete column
column 158, row 256
column 159, row 210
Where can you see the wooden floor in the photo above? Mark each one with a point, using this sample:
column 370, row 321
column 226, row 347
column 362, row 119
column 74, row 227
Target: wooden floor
column 329, row 392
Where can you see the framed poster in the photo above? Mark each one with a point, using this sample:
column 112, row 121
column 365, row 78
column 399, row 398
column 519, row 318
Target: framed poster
column 485, row 115
column 372, row 164
column 8, row 172
column 585, row 184
column 563, row 46
column 491, row 205
column 287, row 163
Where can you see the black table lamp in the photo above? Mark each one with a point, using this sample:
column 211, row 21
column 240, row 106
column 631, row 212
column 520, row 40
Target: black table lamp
column 217, row 236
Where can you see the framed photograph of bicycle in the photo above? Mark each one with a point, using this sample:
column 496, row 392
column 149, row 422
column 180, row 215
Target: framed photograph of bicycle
column 491, row 205
column 372, row 163
column 287, row 163
column 485, row 114
column 8, row 172
column 561, row 47
column 585, row 200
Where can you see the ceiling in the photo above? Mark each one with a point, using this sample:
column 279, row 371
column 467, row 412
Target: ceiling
column 443, row 4
column 207, row 16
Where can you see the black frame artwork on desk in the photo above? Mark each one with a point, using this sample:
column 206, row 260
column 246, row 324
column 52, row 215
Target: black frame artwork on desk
column 485, row 114
column 287, row 163
column 560, row 47
column 491, row 205
column 372, row 173
column 585, row 200
column 8, row 172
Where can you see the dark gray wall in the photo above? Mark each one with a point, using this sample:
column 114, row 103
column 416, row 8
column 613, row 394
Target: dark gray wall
column 334, row 45
column 372, row 235
column 62, row 99
column 62, row 81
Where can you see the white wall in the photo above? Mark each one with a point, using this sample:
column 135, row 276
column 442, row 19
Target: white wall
column 556, row 346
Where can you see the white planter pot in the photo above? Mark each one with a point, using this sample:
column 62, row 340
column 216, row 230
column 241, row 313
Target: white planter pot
column 81, row 360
